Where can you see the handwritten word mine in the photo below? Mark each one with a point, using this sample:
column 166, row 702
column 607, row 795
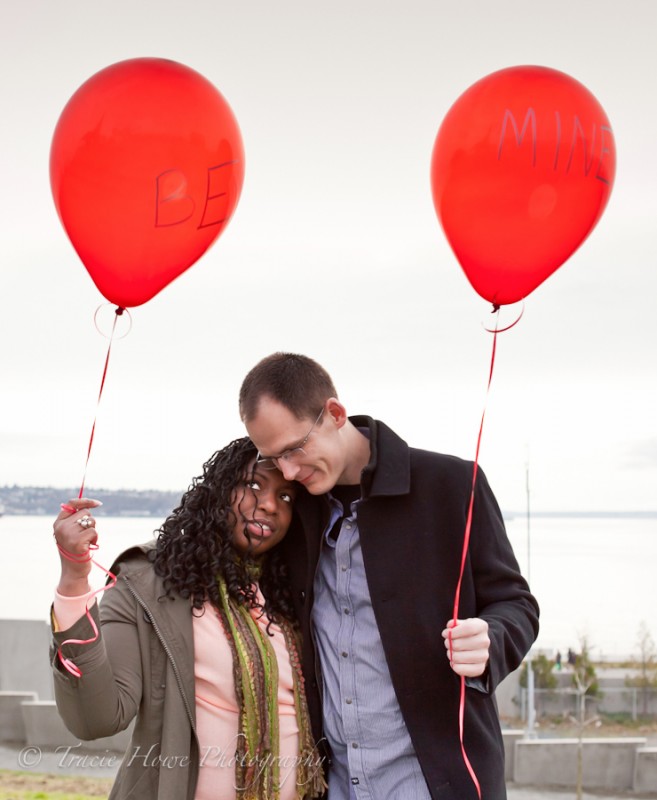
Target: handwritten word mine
column 565, row 142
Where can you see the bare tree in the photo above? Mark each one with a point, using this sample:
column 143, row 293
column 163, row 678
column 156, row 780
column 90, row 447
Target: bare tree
column 646, row 680
column 586, row 685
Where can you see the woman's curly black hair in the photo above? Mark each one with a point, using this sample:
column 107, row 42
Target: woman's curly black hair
column 195, row 543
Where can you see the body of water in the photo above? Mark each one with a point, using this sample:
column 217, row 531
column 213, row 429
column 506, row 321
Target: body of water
column 593, row 577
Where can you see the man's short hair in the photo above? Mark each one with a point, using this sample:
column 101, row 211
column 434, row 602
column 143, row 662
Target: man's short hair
column 295, row 381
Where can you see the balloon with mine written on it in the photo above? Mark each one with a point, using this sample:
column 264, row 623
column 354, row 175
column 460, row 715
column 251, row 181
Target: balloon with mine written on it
column 522, row 168
column 146, row 169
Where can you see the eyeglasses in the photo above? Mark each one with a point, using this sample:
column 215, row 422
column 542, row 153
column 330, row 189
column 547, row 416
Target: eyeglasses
column 288, row 456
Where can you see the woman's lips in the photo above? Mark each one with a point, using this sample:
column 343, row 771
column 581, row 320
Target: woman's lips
column 259, row 528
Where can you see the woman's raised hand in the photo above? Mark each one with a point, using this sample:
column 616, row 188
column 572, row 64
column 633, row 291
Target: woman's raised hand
column 75, row 533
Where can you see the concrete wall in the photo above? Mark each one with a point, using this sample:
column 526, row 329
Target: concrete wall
column 510, row 737
column 28, row 714
column 12, row 726
column 508, row 696
column 44, row 728
column 645, row 771
column 27, row 707
column 24, row 662
column 606, row 763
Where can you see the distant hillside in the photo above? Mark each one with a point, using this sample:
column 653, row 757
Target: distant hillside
column 583, row 514
column 153, row 503
column 116, row 503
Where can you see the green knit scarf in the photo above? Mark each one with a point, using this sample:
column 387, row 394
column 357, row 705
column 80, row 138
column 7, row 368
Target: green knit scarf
column 255, row 670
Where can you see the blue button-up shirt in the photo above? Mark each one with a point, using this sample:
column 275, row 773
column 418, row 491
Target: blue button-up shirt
column 373, row 757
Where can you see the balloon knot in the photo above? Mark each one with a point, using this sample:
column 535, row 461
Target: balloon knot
column 496, row 308
column 119, row 311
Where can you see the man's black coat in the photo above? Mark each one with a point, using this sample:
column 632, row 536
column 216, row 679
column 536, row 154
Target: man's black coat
column 412, row 522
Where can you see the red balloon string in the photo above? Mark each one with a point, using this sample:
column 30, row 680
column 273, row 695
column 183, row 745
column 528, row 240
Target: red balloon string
column 466, row 543
column 83, row 558
column 508, row 327
column 117, row 314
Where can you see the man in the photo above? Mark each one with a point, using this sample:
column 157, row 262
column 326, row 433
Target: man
column 374, row 572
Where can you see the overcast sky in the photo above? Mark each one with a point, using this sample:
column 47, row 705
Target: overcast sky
column 335, row 249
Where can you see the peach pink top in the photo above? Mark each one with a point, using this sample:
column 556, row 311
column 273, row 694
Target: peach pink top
column 216, row 704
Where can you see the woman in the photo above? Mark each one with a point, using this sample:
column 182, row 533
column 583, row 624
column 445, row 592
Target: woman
column 190, row 646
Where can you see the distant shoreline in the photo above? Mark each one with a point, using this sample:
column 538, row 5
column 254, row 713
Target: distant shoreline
column 583, row 514
column 45, row 500
column 507, row 515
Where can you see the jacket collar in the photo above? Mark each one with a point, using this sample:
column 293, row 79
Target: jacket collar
column 389, row 468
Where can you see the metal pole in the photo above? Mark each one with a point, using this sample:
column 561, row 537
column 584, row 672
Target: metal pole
column 531, row 708
column 529, row 562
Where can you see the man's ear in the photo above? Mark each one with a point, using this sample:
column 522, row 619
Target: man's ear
column 336, row 411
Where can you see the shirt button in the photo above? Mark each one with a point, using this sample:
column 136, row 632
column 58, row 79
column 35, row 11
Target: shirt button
column 346, row 611
column 355, row 781
column 343, row 568
column 348, row 526
column 344, row 654
column 354, row 745
column 348, row 701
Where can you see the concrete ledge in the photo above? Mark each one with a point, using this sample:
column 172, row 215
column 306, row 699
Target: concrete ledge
column 645, row 770
column 510, row 736
column 606, row 763
column 44, row 728
column 12, row 727
column 24, row 663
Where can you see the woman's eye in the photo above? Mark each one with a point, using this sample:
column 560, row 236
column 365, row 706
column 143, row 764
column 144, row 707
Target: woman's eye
column 253, row 485
column 287, row 497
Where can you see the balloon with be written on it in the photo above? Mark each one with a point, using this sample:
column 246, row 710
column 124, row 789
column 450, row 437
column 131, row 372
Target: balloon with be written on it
column 522, row 168
column 146, row 169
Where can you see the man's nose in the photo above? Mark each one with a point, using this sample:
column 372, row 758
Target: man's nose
column 289, row 469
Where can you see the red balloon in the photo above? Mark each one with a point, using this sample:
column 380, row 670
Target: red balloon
column 146, row 168
column 522, row 169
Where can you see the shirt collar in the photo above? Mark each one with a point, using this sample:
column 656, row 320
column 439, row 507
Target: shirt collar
column 389, row 469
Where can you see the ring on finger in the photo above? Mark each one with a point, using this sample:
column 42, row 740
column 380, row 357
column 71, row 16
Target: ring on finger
column 85, row 522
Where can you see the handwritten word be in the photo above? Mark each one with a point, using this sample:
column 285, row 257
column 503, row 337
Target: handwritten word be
column 174, row 205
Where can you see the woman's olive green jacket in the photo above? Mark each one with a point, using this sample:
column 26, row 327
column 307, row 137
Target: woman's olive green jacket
column 141, row 667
